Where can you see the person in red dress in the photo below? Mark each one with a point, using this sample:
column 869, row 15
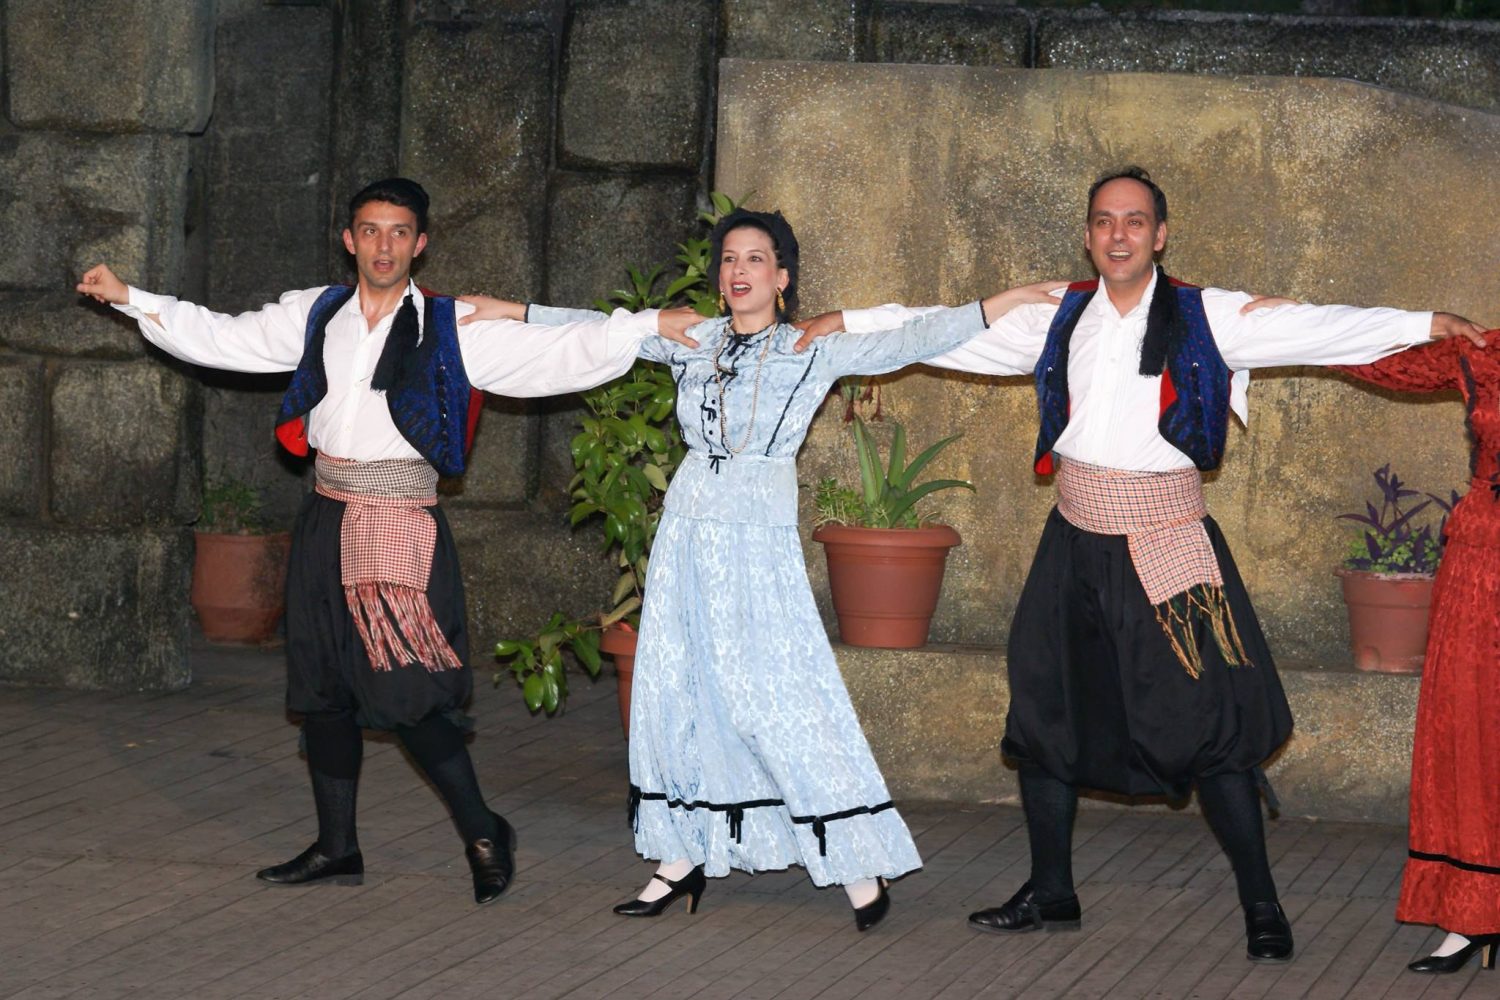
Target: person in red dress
column 1452, row 877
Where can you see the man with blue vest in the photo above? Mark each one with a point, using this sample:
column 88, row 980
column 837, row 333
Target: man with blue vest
column 1136, row 662
column 385, row 387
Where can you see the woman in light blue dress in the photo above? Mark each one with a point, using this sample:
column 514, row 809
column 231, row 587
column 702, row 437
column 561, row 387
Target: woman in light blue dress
column 745, row 751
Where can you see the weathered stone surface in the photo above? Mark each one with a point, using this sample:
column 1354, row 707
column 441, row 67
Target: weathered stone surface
column 502, row 464
column 95, row 609
column 983, row 178
column 146, row 65
column 516, row 11
column 22, row 398
column 935, row 716
column 790, row 29
column 239, row 442
column 558, row 421
column 634, row 82
column 366, row 124
column 123, row 453
column 478, row 105
column 69, row 202
column 268, row 156
column 602, row 224
column 1453, row 61
column 63, row 323
column 949, row 33
column 519, row 568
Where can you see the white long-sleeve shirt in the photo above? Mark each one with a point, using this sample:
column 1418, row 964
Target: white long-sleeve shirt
column 1114, row 409
column 353, row 421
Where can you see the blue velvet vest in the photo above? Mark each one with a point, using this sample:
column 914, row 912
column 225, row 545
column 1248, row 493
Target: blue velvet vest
column 1194, row 415
column 434, row 407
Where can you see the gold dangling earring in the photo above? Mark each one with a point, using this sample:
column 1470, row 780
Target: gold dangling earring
column 721, row 303
column 780, row 303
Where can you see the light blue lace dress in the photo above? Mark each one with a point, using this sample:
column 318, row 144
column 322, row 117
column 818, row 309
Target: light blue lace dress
column 745, row 751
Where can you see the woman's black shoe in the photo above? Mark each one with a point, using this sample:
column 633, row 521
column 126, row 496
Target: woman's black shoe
column 312, row 865
column 874, row 911
column 1023, row 913
column 1268, row 934
column 1488, row 944
column 690, row 885
column 493, row 861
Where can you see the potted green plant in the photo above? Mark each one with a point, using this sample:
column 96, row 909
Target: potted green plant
column 1387, row 575
column 626, row 449
column 885, row 562
column 239, row 568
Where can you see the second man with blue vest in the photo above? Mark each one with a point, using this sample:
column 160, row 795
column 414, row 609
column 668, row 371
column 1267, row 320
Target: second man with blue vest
column 1136, row 663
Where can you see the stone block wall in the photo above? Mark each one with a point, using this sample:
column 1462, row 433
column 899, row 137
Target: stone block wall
column 206, row 148
column 101, row 450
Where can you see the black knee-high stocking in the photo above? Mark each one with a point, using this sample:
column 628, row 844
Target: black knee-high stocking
column 437, row 746
column 334, row 748
column 1231, row 804
column 1050, row 807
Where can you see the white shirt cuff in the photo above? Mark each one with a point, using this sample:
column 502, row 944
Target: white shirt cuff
column 1417, row 329
column 143, row 303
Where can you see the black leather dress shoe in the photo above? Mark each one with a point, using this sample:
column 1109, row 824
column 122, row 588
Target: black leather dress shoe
column 1268, row 934
column 493, row 861
column 1022, row 913
column 312, row 865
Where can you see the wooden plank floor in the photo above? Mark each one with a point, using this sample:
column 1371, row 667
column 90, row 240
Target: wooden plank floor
column 130, row 826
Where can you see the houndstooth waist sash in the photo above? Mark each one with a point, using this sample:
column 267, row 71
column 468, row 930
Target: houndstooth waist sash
column 1161, row 516
column 386, row 543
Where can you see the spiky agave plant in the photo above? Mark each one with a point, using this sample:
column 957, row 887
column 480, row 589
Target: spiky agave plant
column 888, row 493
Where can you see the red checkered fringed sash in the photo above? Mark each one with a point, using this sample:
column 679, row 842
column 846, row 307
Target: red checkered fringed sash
column 385, row 548
column 1161, row 516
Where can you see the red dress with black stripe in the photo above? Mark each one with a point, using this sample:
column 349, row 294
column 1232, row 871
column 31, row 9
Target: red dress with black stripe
column 1452, row 876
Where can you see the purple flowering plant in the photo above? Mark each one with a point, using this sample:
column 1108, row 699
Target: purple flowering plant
column 1394, row 541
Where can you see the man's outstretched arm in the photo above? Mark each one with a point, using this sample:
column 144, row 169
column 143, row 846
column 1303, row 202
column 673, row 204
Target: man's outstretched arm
column 1303, row 334
column 514, row 358
column 269, row 339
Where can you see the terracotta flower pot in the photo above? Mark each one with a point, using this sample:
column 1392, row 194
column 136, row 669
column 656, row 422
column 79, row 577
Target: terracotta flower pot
column 239, row 585
column 619, row 642
column 1387, row 619
column 885, row 581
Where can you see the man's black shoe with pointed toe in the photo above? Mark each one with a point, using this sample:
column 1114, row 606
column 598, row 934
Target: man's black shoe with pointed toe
column 1268, row 933
column 1023, row 913
column 313, row 866
column 493, row 861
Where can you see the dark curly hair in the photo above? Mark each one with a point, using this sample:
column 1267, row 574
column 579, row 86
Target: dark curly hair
column 783, row 244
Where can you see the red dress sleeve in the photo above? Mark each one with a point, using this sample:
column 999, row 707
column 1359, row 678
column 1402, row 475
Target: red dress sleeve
column 1424, row 368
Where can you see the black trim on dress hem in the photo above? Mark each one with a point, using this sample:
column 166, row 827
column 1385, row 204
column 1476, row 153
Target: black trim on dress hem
column 735, row 812
column 1468, row 866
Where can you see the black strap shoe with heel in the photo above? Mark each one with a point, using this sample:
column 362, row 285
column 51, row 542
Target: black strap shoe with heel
column 690, row 885
column 874, row 911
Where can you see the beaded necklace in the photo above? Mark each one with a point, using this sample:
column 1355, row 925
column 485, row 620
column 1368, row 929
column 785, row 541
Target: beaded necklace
column 760, row 367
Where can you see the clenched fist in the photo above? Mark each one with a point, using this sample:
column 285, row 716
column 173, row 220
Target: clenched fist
column 100, row 284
